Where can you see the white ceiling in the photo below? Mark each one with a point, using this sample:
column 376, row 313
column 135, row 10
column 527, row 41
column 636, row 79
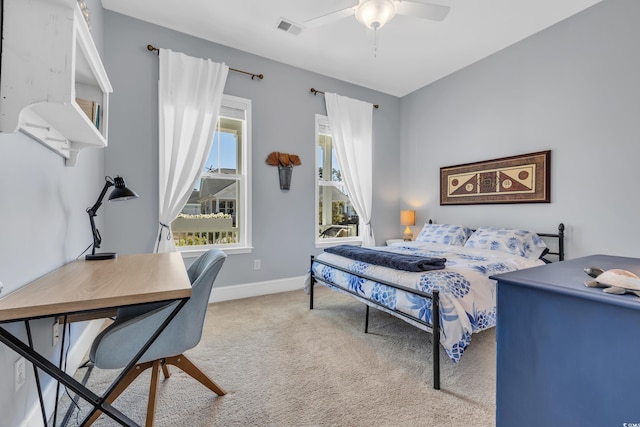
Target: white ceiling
column 411, row 52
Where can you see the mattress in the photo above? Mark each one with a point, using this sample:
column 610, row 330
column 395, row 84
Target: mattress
column 467, row 295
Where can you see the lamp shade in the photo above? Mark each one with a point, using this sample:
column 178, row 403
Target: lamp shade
column 375, row 13
column 408, row 217
column 121, row 192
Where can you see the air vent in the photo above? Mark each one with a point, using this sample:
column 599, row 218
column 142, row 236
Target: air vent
column 289, row 27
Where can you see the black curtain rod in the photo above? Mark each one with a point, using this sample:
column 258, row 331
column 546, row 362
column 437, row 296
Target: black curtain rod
column 150, row 48
column 315, row 92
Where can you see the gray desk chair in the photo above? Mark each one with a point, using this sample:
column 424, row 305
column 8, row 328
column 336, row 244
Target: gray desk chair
column 114, row 347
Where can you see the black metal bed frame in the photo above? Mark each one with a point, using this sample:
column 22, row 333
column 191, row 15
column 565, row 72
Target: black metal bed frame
column 434, row 326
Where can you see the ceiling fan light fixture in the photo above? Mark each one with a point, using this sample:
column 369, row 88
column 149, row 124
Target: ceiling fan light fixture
column 375, row 13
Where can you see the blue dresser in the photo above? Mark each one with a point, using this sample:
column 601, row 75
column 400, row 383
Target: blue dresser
column 567, row 355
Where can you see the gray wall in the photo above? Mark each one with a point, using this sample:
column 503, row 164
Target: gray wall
column 44, row 226
column 283, row 112
column 574, row 89
column 44, row 202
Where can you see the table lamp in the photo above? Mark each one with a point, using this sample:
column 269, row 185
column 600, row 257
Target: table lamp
column 407, row 218
column 121, row 192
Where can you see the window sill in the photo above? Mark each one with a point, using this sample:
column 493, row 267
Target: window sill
column 196, row 252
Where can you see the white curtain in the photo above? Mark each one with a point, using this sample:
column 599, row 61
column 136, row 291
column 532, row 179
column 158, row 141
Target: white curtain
column 189, row 97
column 351, row 123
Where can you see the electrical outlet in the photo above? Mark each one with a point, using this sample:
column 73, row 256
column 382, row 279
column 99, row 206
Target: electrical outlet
column 19, row 374
column 1, row 286
column 55, row 333
column 256, row 264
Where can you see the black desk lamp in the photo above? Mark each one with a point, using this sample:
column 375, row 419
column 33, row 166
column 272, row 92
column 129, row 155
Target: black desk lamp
column 121, row 192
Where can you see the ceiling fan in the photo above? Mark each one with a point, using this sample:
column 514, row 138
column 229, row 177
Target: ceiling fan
column 375, row 13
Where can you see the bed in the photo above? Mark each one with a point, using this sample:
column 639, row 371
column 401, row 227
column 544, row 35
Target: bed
column 439, row 282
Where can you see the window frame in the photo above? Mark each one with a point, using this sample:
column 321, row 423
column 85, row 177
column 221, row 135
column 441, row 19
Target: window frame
column 322, row 125
column 245, row 244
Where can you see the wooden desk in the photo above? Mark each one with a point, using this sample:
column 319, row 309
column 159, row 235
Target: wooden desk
column 89, row 285
column 84, row 286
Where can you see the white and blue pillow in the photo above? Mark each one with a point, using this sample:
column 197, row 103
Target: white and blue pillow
column 524, row 243
column 444, row 234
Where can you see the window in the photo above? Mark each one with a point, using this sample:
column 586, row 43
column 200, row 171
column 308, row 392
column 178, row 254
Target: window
column 217, row 213
column 337, row 221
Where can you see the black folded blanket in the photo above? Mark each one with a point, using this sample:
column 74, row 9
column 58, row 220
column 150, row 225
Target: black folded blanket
column 388, row 259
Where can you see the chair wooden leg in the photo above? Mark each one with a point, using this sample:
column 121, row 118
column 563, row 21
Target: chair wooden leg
column 128, row 379
column 165, row 370
column 182, row 362
column 153, row 391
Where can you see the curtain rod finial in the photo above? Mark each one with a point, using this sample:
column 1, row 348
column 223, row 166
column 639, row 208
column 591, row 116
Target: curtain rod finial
column 150, row 48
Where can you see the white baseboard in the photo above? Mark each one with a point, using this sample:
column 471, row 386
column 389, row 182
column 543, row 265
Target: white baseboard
column 227, row 293
column 75, row 358
column 82, row 345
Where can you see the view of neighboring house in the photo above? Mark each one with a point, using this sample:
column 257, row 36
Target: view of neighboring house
column 209, row 215
column 213, row 195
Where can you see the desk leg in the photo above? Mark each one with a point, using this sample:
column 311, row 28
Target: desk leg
column 31, row 355
column 35, row 372
column 60, row 365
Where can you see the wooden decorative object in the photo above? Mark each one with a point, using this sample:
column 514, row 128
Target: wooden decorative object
column 285, row 163
column 276, row 158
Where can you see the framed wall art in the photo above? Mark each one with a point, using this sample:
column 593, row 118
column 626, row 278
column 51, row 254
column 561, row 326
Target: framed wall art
column 517, row 179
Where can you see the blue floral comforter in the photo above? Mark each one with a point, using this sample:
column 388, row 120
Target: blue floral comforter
column 467, row 295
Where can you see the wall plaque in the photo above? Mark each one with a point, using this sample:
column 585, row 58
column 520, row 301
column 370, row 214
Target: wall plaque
column 518, row 179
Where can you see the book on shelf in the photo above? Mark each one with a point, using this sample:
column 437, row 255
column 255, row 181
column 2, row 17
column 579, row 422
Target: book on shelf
column 91, row 109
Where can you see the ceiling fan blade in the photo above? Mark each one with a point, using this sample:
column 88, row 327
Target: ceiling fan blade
column 434, row 12
column 331, row 16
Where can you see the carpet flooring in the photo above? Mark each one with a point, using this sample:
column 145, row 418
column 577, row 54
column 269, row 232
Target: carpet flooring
column 285, row 365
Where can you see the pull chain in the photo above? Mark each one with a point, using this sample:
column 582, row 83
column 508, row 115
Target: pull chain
column 375, row 42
